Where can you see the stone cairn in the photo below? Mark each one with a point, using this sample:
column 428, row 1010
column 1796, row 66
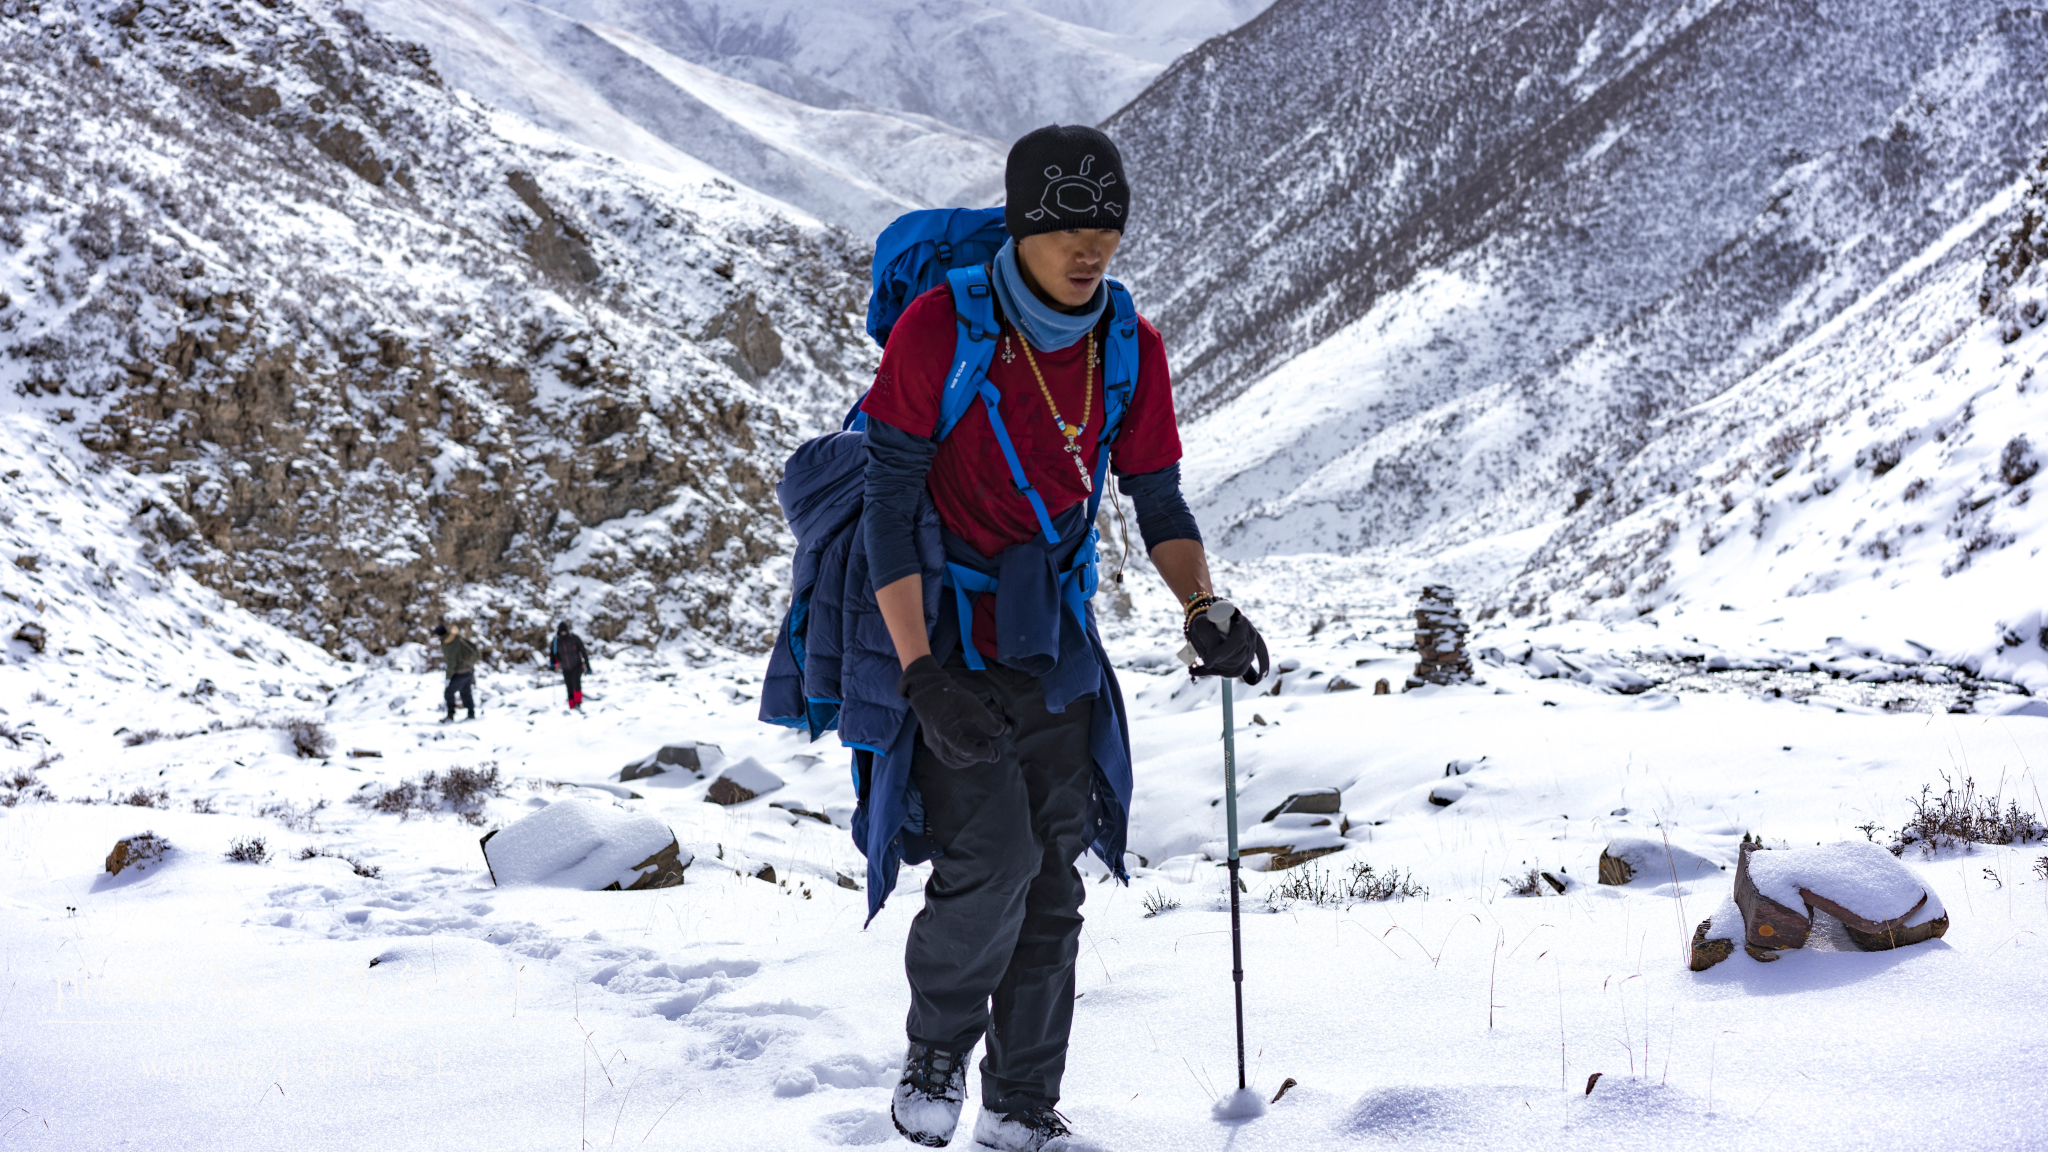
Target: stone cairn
column 1439, row 640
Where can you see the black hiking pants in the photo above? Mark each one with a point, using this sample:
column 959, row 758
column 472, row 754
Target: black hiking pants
column 993, row 951
column 572, row 679
column 464, row 683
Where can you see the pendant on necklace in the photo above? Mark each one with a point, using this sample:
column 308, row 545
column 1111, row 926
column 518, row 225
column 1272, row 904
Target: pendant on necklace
column 1008, row 355
column 1087, row 483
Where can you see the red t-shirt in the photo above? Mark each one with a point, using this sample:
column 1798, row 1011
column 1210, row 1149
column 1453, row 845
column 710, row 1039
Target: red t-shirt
column 969, row 479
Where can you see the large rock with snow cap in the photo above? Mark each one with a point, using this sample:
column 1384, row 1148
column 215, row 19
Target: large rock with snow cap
column 1879, row 900
column 742, row 782
column 1658, row 861
column 690, row 756
column 588, row 845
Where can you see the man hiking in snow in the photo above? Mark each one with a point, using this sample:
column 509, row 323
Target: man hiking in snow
column 566, row 652
column 458, row 663
column 1021, row 758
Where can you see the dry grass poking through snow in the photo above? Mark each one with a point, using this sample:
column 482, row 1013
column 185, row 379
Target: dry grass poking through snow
column 249, row 850
column 462, row 790
column 1958, row 818
column 366, row 871
column 1317, row 886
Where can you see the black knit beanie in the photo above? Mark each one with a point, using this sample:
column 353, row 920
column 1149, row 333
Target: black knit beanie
column 1062, row 177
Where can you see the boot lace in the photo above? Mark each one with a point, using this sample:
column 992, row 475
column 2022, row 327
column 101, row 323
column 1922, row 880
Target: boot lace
column 1044, row 1121
column 930, row 1071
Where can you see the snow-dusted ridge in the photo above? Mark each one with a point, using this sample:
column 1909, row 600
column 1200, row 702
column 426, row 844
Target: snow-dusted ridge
column 385, row 354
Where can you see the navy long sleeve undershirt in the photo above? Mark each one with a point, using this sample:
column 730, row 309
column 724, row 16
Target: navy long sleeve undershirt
column 898, row 462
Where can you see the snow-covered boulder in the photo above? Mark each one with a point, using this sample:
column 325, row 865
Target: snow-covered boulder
column 1658, row 861
column 1291, row 838
column 587, row 845
column 742, row 782
column 1880, row 901
column 137, row 852
column 1318, row 801
column 689, row 756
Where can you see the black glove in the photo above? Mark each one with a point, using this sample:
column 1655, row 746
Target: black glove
column 1221, row 642
column 958, row 727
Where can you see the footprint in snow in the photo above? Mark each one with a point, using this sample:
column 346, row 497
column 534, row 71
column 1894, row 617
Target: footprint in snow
column 856, row 1128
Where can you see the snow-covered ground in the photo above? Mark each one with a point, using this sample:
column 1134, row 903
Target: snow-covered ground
column 212, row 1004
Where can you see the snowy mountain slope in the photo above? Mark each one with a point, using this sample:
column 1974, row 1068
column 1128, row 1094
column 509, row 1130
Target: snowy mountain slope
column 852, row 166
column 378, row 354
column 1875, row 483
column 1596, row 153
column 996, row 68
column 1452, row 411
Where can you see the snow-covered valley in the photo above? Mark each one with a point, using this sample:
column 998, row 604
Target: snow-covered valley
column 264, row 418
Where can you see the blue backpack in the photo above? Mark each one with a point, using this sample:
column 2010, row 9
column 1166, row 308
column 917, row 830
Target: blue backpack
column 911, row 256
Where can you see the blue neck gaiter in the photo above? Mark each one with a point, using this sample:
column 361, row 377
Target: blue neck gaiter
column 1048, row 328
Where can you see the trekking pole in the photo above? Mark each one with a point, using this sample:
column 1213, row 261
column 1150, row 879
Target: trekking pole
column 1230, row 817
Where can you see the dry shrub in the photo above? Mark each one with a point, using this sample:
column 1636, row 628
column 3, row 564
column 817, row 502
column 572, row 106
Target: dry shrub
column 1529, row 885
column 1157, row 901
column 1959, row 818
column 291, row 815
column 145, row 736
column 249, row 850
column 144, row 798
column 1319, row 887
column 309, row 738
column 462, row 790
column 23, row 787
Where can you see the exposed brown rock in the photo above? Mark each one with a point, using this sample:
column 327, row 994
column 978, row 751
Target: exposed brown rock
column 1282, row 859
column 1317, row 801
column 34, row 635
column 1615, row 870
column 1340, row 684
column 138, row 852
column 1707, row 953
column 556, row 246
column 1767, row 924
column 664, row 869
column 672, row 757
column 765, row 872
column 1380, row 687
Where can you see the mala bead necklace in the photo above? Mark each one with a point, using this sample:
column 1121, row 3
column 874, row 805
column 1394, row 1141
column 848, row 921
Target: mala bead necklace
column 1071, row 431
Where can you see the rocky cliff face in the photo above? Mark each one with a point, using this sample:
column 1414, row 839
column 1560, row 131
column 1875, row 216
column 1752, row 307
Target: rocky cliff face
column 385, row 357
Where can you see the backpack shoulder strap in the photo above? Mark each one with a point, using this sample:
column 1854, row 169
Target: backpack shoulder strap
column 1119, row 380
column 974, row 347
column 974, row 344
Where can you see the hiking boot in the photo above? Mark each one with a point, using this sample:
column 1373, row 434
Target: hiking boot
column 449, row 718
column 1034, row 1129
column 926, row 1106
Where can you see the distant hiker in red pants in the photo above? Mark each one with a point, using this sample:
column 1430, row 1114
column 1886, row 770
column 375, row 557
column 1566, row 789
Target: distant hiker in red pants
column 567, row 653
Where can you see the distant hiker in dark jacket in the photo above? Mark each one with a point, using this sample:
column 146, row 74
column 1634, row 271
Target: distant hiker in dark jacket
column 458, row 662
column 567, row 652
column 1020, row 752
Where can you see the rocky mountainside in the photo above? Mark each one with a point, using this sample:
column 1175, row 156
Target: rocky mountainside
column 1880, row 473
column 1414, row 314
column 1594, row 152
column 373, row 354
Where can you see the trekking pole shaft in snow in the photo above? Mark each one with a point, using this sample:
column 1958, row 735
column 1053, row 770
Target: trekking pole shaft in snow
column 1230, row 816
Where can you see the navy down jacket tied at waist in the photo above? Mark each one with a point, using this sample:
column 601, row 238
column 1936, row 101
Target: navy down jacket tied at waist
column 834, row 666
